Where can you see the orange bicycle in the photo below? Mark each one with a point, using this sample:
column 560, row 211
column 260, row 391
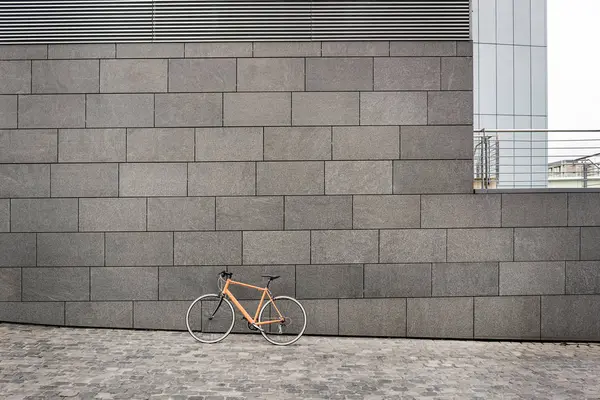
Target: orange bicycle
column 210, row 318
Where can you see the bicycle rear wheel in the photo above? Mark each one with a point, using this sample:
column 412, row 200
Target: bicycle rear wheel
column 210, row 318
column 291, row 328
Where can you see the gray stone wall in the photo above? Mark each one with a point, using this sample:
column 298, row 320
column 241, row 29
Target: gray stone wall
column 131, row 174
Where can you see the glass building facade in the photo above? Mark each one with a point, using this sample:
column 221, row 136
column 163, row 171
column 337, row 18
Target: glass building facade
column 510, row 84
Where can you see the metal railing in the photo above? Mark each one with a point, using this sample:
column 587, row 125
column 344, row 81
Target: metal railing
column 536, row 158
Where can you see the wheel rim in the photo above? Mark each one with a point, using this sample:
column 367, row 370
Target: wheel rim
column 203, row 326
column 291, row 328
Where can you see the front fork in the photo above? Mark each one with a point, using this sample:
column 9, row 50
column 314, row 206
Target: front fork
column 222, row 296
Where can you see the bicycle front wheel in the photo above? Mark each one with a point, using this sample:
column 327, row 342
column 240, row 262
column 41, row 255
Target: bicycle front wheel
column 293, row 325
column 210, row 318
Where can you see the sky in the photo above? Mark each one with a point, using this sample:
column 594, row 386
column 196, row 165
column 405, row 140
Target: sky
column 573, row 64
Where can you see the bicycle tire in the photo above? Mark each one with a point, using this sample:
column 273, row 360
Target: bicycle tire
column 211, row 322
column 288, row 332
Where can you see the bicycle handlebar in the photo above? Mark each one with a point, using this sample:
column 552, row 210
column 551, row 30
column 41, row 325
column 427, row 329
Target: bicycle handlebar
column 225, row 274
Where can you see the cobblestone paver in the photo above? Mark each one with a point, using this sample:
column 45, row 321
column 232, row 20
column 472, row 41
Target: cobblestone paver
column 53, row 363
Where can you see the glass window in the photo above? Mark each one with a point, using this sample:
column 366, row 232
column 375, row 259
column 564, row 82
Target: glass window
column 504, row 14
column 487, row 21
column 487, row 79
column 522, row 80
column 538, row 22
column 538, row 80
column 505, row 80
column 522, row 22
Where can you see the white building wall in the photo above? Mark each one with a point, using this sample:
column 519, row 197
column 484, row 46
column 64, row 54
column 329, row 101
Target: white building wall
column 510, row 84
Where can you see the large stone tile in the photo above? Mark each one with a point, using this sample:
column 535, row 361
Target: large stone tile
column 297, row 143
column 355, row 49
column 15, row 77
column 149, row 50
column 75, row 51
column 126, row 76
column 534, row 209
column 407, row 73
column 18, row 249
column 147, row 179
column 344, row 246
column 4, row 215
column 433, row 176
column 450, row 108
column 256, row 109
column 219, row 49
column 52, row 111
column 45, row 313
column 181, row 214
column 105, row 314
column 24, row 180
column 546, row 244
column 187, row 283
column 464, row 48
column 571, row 317
column 527, row 278
column 412, row 245
column 387, row 317
column 229, row 144
column 464, row 279
column 202, row 75
column 397, row 280
column 450, row 317
column 188, row 109
column 70, row 249
column 287, row 49
column 28, row 146
column 84, row 180
column 116, row 214
column 208, row 248
column 331, row 74
column 358, row 177
column 8, row 111
column 23, row 52
column 65, row 76
column 221, row 179
column 461, row 211
column 366, row 143
column 329, row 281
column 507, row 317
column 290, row 178
column 162, row 144
column 139, row 248
column 276, row 247
column 318, row 212
column 393, row 108
column 43, row 215
column 334, row 108
column 270, row 74
column 584, row 209
column 124, row 283
column 91, row 145
column 471, row 245
column 167, row 315
column 583, row 277
column 249, row 213
column 322, row 317
column 422, row 48
column 56, row 284
column 119, row 110
column 590, row 237
column 436, row 142
column 10, row 284
column 457, row 73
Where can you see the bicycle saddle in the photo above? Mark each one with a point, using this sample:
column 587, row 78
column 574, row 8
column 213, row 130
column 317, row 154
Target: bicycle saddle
column 271, row 277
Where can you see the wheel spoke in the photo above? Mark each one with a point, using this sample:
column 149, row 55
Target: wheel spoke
column 210, row 318
column 291, row 328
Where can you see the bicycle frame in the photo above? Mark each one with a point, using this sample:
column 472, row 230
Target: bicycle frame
column 265, row 292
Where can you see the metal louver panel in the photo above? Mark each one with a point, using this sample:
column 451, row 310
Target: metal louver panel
column 95, row 21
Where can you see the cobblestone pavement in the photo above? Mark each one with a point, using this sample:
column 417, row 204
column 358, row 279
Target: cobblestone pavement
column 51, row 363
